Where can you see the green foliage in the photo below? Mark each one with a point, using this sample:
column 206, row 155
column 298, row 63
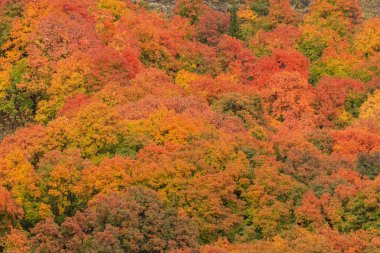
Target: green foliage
column 234, row 26
column 368, row 164
column 17, row 107
column 129, row 145
column 312, row 49
column 259, row 134
column 322, row 140
column 336, row 68
column 189, row 9
column 353, row 102
column 246, row 107
column 362, row 211
column 261, row 7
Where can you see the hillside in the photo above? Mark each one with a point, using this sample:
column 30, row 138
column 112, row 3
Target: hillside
column 127, row 130
column 371, row 8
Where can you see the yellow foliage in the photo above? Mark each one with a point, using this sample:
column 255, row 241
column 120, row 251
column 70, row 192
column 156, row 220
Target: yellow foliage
column 315, row 39
column 70, row 78
column 19, row 36
column 370, row 111
column 4, row 80
column 165, row 125
column 344, row 118
column 183, row 78
column 368, row 39
column 47, row 108
column 57, row 134
column 371, row 108
column 247, row 15
column 116, row 7
column 45, row 211
column 62, row 185
column 96, row 129
column 18, row 174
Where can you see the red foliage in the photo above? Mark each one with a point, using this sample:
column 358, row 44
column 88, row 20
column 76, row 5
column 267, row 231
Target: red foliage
column 211, row 25
column 159, row 132
column 352, row 141
column 280, row 60
column 330, row 95
column 282, row 37
column 10, row 210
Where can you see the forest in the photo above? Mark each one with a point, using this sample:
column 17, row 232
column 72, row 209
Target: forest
column 125, row 129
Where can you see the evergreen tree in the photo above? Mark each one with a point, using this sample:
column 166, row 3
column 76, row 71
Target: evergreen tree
column 234, row 28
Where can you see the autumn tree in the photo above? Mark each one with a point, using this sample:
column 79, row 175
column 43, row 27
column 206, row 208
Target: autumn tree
column 11, row 212
column 287, row 96
column 211, row 25
column 133, row 221
column 367, row 40
column 190, row 9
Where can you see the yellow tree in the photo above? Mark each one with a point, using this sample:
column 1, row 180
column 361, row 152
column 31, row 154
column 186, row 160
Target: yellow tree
column 367, row 40
column 369, row 115
column 23, row 182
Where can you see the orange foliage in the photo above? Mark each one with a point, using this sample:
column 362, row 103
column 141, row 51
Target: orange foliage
column 127, row 130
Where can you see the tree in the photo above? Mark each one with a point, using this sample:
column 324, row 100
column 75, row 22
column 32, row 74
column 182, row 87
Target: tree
column 110, row 175
column 331, row 95
column 60, row 185
column 282, row 37
column 289, row 60
column 130, row 221
column 367, row 112
column 15, row 241
column 367, row 39
column 20, row 178
column 287, row 96
column 325, row 22
column 368, row 164
column 167, row 126
column 46, row 237
column 261, row 7
column 309, row 213
column 338, row 60
column 17, row 107
column 362, row 211
column 190, row 9
column 352, row 141
column 212, row 24
column 270, row 202
column 11, row 212
column 96, row 129
column 234, row 26
column 247, row 107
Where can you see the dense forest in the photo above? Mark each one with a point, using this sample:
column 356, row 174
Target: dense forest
column 125, row 129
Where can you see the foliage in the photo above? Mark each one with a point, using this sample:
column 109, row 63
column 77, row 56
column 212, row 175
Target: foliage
column 126, row 130
column 234, row 28
column 133, row 221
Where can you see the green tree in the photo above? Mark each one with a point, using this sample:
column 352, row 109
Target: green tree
column 234, row 28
